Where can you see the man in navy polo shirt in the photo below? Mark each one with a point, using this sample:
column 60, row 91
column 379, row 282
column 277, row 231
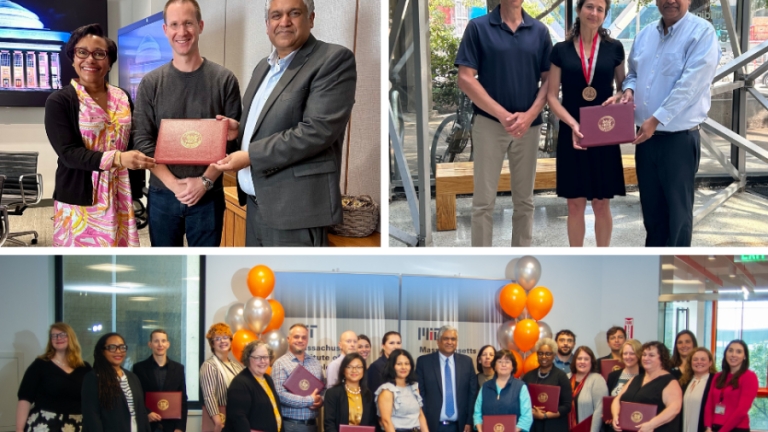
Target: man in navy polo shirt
column 508, row 51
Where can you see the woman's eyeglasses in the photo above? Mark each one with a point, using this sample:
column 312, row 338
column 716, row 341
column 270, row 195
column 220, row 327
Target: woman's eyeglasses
column 260, row 358
column 112, row 348
column 58, row 336
column 222, row 338
column 84, row 53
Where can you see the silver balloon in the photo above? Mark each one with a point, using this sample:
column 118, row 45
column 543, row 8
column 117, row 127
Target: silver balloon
column 545, row 331
column 509, row 271
column 277, row 341
column 235, row 318
column 506, row 336
column 257, row 313
column 528, row 272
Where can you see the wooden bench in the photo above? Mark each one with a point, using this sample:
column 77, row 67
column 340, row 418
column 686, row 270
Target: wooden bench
column 456, row 178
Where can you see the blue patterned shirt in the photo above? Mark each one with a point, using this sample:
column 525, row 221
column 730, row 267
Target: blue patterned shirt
column 671, row 74
column 295, row 407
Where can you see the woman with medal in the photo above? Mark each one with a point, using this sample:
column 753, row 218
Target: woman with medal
column 217, row 373
column 587, row 64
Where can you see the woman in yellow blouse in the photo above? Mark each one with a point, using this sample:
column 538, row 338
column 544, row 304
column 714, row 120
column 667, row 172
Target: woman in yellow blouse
column 252, row 396
column 349, row 402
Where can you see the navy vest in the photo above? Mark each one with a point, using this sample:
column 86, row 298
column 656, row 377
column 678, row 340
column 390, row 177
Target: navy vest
column 506, row 403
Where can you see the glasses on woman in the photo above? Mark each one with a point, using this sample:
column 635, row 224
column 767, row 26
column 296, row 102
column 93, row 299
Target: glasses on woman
column 83, row 53
column 59, row 336
column 260, row 358
column 545, row 354
column 354, row 368
column 112, row 348
column 222, row 338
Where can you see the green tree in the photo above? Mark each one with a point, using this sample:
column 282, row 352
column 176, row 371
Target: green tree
column 758, row 362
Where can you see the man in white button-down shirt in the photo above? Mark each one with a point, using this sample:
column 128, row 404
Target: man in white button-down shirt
column 671, row 67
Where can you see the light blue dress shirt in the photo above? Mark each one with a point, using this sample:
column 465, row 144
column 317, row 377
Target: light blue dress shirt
column 526, row 409
column 671, row 74
column 452, row 367
column 277, row 68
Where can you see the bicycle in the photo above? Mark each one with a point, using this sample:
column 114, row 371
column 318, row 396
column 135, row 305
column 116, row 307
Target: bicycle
column 455, row 131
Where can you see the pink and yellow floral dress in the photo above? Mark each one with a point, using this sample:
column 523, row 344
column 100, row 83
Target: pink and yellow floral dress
column 110, row 221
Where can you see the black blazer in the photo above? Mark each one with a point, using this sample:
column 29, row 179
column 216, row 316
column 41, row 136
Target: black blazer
column 118, row 419
column 76, row 164
column 704, row 398
column 337, row 409
column 174, row 381
column 431, row 388
column 248, row 405
column 374, row 373
column 613, row 380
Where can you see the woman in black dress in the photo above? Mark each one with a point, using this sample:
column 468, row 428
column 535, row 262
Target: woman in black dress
column 548, row 374
column 653, row 386
column 597, row 174
column 52, row 383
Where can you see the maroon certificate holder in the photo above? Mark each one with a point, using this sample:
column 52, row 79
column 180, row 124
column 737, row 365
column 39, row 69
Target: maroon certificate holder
column 352, row 428
column 608, row 366
column 632, row 415
column 584, row 426
column 544, row 396
column 500, row 423
column 302, row 382
column 191, row 142
column 208, row 424
column 607, row 125
column 607, row 413
column 166, row 404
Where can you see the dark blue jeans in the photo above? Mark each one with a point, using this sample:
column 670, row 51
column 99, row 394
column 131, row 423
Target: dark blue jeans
column 169, row 219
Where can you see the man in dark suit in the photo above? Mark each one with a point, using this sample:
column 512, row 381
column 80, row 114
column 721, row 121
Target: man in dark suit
column 159, row 373
column 291, row 133
column 448, row 385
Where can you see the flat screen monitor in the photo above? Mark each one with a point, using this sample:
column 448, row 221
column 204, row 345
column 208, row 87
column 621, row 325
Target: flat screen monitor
column 33, row 34
column 141, row 47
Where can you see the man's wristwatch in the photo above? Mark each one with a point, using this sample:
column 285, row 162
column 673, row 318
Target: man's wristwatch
column 207, row 182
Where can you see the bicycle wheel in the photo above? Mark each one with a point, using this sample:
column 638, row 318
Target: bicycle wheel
column 442, row 135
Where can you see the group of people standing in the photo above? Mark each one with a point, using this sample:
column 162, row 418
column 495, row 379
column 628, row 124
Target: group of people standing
column 285, row 137
column 509, row 69
column 443, row 391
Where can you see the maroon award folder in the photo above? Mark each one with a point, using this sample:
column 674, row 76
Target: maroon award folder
column 608, row 366
column 632, row 415
column 351, row 428
column 607, row 125
column 302, row 382
column 166, row 404
column 544, row 396
column 191, row 142
column 500, row 423
column 208, row 425
column 584, row 426
column 607, row 413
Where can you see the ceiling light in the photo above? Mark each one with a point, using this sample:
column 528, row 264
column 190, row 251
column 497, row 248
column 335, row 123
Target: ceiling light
column 111, row 267
column 731, row 276
column 668, row 267
column 129, row 284
column 682, row 282
column 142, row 298
column 745, row 291
column 99, row 289
column 711, row 257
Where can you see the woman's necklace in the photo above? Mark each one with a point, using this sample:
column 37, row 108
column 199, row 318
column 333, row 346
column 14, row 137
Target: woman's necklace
column 61, row 365
column 349, row 390
column 544, row 376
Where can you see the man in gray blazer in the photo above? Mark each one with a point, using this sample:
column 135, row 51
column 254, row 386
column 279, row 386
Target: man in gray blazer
column 291, row 133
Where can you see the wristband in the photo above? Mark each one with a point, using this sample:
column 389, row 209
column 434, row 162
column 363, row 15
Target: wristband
column 118, row 158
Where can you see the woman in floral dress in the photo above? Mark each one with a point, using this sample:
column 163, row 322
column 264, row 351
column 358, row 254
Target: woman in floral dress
column 89, row 126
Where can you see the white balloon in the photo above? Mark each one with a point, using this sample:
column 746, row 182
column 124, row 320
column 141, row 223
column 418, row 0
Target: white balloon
column 235, row 318
column 506, row 335
column 257, row 313
column 509, row 272
column 277, row 341
column 528, row 272
column 545, row 331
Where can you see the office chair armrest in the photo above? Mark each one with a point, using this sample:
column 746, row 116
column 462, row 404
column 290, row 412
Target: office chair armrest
column 38, row 183
column 5, row 223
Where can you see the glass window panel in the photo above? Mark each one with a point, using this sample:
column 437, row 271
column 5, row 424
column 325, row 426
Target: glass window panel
column 134, row 295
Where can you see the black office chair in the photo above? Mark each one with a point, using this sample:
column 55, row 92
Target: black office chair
column 3, row 215
column 23, row 187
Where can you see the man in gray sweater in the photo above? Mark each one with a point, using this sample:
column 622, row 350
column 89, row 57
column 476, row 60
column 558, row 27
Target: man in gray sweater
column 184, row 199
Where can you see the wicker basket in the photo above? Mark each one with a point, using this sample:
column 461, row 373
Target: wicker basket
column 361, row 215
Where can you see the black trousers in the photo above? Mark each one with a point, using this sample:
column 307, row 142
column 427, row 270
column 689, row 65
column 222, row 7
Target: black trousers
column 258, row 234
column 666, row 166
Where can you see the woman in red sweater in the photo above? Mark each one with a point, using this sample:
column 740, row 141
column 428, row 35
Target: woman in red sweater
column 733, row 393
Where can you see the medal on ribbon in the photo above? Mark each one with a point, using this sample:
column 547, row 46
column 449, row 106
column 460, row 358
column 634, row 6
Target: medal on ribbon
column 589, row 93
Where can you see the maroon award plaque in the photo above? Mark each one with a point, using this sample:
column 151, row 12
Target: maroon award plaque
column 208, row 424
column 544, row 396
column 351, row 428
column 500, row 423
column 607, row 413
column 302, row 382
column 632, row 415
column 191, row 142
column 608, row 366
column 607, row 125
column 584, row 426
column 165, row 404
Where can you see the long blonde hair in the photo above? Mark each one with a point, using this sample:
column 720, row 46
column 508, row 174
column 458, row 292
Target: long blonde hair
column 74, row 354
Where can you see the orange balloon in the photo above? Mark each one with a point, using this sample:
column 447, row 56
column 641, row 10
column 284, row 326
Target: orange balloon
column 539, row 302
column 240, row 340
column 512, row 299
column 278, row 316
column 526, row 334
column 269, row 371
column 531, row 362
column 519, row 362
column 261, row 281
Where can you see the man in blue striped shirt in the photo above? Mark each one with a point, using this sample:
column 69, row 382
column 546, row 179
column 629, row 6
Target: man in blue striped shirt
column 671, row 67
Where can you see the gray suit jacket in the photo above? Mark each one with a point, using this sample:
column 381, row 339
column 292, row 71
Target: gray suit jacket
column 295, row 150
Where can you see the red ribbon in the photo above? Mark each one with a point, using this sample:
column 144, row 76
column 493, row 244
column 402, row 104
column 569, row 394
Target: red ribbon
column 587, row 72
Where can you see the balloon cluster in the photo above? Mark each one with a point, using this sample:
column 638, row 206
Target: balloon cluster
column 258, row 318
column 520, row 335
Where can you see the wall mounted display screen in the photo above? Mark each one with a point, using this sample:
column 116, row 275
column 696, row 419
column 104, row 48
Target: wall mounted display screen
column 141, row 48
column 33, row 34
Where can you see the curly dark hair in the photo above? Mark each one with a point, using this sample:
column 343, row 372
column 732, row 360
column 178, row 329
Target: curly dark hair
column 480, row 354
column 663, row 353
column 109, row 382
column 725, row 368
column 575, row 32
column 505, row 354
column 677, row 359
column 349, row 358
column 90, row 29
column 592, row 359
column 389, row 373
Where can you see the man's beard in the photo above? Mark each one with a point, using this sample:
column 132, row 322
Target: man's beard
column 567, row 353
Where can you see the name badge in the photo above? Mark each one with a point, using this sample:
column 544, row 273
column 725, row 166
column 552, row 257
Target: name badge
column 720, row 409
